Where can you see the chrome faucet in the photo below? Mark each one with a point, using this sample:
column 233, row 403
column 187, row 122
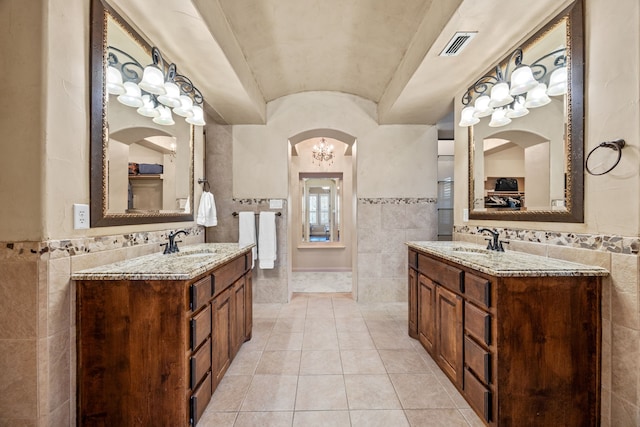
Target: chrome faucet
column 172, row 246
column 494, row 243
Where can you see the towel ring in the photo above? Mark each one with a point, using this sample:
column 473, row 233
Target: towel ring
column 616, row 145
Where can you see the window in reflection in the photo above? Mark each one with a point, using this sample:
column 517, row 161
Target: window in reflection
column 321, row 208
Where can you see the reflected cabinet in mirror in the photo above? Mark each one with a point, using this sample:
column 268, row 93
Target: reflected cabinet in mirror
column 141, row 164
column 525, row 123
column 321, row 199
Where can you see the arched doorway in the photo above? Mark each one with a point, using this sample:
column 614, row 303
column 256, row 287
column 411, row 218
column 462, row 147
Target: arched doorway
column 322, row 214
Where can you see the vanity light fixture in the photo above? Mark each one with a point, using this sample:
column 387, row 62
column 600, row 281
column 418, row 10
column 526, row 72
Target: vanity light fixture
column 322, row 152
column 505, row 96
column 156, row 91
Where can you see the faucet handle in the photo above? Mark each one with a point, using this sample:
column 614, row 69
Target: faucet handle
column 500, row 243
column 489, row 244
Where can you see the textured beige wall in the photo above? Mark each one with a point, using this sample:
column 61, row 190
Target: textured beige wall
column 393, row 161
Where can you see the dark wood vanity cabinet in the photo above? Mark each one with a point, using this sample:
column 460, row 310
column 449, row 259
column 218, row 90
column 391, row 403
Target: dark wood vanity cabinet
column 152, row 352
column 523, row 351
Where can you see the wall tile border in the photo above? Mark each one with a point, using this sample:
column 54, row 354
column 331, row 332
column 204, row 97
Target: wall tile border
column 596, row 242
column 397, row 201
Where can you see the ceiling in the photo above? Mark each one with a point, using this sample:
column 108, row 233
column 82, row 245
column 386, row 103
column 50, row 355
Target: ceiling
column 243, row 54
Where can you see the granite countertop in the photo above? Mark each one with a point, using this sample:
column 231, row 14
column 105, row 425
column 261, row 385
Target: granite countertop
column 508, row 263
column 190, row 262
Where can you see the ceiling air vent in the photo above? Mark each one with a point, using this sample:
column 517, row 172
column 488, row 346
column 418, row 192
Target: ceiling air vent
column 458, row 42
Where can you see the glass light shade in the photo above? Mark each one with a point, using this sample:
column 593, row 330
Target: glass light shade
column 558, row 82
column 537, row 97
column 186, row 107
column 152, row 80
column 467, row 117
column 500, row 95
column 114, row 81
column 499, row 118
column 165, row 117
column 132, row 96
column 518, row 109
column 198, row 116
column 172, row 96
column 482, row 108
column 522, row 80
column 148, row 108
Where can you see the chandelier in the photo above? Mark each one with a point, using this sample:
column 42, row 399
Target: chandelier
column 156, row 91
column 505, row 96
column 322, row 152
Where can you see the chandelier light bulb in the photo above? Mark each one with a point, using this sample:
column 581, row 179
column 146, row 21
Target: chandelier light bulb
column 499, row 118
column 153, row 80
column 467, row 117
column 114, row 81
column 482, row 108
column 198, row 116
column 172, row 96
column 148, row 108
column 185, row 109
column 518, row 109
column 537, row 97
column 132, row 96
column 522, row 80
column 500, row 95
column 164, row 118
column 558, row 82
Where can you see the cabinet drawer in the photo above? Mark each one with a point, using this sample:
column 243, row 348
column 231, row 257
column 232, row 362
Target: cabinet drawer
column 224, row 276
column 477, row 395
column 477, row 323
column 200, row 399
column 200, row 293
column 200, row 364
column 477, row 359
column 444, row 274
column 200, row 327
column 478, row 289
column 413, row 259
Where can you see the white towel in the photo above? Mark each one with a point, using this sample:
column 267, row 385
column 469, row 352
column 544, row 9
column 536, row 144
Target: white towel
column 247, row 233
column 267, row 244
column 207, row 215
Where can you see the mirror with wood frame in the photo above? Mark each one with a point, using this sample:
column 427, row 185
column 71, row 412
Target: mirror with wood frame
column 141, row 171
column 531, row 169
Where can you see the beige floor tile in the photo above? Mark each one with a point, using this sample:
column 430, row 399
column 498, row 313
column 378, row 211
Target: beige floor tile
column 371, row 392
column 264, row 419
column 327, row 340
column 279, row 363
column 403, row 362
column 320, row 362
column 286, row 325
column 321, row 392
column 321, row 419
column 211, row 418
column 230, row 393
column 245, row 362
column 285, row 341
column 355, row 341
column 436, row 418
column 420, row 391
column 316, row 325
column 257, row 342
column 392, row 341
column 271, row 393
column 351, row 324
column 385, row 418
column 362, row 362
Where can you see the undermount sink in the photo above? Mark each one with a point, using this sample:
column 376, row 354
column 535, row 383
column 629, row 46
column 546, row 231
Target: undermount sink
column 474, row 251
column 196, row 253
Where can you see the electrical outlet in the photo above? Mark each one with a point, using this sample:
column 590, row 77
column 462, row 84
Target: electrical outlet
column 80, row 216
column 465, row 215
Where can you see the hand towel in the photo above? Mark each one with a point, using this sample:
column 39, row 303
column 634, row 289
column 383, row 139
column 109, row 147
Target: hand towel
column 267, row 243
column 207, row 215
column 247, row 234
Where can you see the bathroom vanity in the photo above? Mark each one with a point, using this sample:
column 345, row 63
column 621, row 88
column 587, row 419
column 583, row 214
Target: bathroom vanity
column 518, row 335
column 156, row 334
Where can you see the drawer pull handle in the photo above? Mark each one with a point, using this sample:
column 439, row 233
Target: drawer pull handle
column 487, row 330
column 487, row 367
column 194, row 408
column 487, row 293
column 193, row 373
column 193, row 334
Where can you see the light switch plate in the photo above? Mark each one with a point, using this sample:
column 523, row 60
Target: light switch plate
column 80, row 216
column 465, row 215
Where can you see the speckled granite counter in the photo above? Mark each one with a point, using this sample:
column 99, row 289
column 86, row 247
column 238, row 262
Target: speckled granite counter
column 508, row 263
column 187, row 264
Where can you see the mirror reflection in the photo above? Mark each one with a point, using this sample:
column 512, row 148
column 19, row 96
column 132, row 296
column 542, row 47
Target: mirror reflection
column 321, row 209
column 525, row 143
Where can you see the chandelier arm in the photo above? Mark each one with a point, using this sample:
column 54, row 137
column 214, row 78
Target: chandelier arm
column 479, row 88
column 540, row 71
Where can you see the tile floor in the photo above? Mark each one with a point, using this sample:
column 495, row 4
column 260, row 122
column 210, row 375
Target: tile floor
column 325, row 360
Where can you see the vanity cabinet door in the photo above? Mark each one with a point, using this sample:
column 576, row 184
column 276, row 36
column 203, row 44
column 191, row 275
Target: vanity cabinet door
column 413, row 303
column 248, row 303
column 238, row 325
column 426, row 312
column 222, row 320
column 449, row 334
